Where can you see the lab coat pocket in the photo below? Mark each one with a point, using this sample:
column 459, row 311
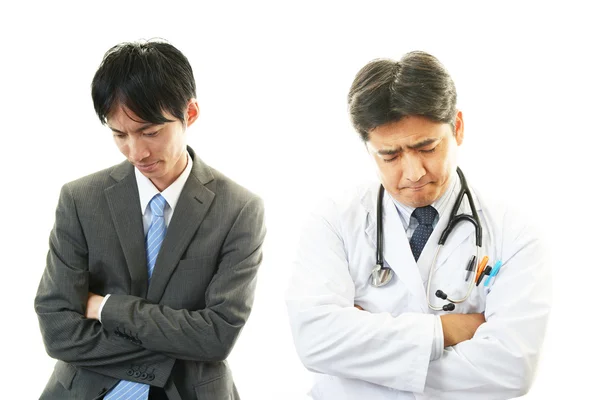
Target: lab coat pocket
column 450, row 278
column 475, row 303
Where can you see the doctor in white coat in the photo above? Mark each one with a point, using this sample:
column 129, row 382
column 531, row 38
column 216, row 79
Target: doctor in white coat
column 365, row 342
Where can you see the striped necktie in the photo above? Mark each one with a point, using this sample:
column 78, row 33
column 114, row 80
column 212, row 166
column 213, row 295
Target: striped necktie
column 126, row 390
column 156, row 231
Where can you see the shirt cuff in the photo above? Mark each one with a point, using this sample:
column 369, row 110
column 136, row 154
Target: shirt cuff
column 437, row 346
column 101, row 307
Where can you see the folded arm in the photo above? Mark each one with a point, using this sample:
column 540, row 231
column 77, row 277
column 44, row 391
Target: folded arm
column 208, row 334
column 500, row 361
column 61, row 301
column 335, row 338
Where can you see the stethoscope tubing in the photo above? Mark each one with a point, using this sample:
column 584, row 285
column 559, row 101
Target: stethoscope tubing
column 381, row 275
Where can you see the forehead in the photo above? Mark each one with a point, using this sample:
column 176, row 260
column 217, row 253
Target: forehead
column 407, row 131
column 121, row 116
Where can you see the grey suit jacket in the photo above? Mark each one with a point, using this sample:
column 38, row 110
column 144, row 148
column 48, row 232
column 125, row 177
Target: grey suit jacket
column 174, row 332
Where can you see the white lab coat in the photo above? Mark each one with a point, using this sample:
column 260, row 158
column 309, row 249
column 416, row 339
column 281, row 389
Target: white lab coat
column 384, row 352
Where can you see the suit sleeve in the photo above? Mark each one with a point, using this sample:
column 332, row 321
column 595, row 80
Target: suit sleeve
column 61, row 301
column 208, row 334
column 332, row 336
column 501, row 359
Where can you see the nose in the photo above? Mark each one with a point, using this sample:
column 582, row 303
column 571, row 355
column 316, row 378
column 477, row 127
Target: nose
column 412, row 167
column 138, row 151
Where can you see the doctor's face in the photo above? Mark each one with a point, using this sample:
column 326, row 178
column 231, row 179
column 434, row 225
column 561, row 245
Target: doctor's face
column 158, row 151
column 416, row 157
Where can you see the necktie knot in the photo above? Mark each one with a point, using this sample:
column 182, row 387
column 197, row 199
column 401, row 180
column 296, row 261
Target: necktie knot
column 157, row 205
column 425, row 215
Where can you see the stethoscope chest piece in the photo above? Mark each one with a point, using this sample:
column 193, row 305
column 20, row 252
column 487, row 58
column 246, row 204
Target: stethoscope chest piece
column 381, row 276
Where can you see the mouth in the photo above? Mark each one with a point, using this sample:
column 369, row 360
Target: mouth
column 146, row 167
column 416, row 188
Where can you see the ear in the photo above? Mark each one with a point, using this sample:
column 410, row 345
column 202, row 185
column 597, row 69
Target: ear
column 192, row 112
column 459, row 128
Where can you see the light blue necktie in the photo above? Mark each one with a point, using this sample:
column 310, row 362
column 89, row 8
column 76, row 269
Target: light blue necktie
column 126, row 390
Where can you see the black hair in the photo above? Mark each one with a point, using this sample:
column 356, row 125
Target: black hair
column 386, row 91
column 148, row 77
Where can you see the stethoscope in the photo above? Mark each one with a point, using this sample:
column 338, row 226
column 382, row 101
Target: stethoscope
column 381, row 276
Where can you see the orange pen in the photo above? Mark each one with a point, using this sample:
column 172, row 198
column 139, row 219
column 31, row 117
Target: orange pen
column 481, row 266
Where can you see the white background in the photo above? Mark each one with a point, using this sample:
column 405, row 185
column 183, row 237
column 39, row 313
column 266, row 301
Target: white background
column 272, row 80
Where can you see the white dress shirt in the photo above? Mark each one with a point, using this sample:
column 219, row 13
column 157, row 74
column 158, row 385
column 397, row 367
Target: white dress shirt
column 171, row 194
column 147, row 191
column 410, row 223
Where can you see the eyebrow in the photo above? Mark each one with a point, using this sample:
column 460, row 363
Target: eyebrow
column 140, row 129
column 396, row 150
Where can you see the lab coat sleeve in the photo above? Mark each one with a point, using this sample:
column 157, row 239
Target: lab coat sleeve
column 501, row 359
column 332, row 336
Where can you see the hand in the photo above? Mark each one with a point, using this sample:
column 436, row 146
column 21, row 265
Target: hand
column 93, row 305
column 460, row 327
column 359, row 307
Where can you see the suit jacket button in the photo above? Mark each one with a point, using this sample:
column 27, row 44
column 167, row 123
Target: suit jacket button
column 150, row 377
column 129, row 372
column 144, row 376
column 137, row 374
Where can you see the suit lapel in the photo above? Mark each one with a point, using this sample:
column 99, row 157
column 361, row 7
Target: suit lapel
column 193, row 205
column 124, row 204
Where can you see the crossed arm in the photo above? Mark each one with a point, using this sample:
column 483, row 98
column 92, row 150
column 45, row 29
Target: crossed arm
column 457, row 327
column 494, row 359
column 72, row 334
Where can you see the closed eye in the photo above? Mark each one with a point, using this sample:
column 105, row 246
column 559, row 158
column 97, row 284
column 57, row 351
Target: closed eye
column 429, row 150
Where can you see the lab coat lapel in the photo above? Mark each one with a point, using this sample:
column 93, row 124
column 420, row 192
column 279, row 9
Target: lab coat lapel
column 193, row 205
column 397, row 252
column 396, row 249
column 123, row 202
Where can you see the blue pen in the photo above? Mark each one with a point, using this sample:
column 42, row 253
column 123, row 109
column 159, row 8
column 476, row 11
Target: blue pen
column 493, row 273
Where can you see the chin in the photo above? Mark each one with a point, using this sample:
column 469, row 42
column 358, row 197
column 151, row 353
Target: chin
column 423, row 203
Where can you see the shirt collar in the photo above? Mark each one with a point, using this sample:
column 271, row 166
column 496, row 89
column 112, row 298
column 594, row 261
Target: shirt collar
column 147, row 190
column 439, row 205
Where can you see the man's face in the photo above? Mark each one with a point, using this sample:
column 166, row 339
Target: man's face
column 158, row 151
column 415, row 157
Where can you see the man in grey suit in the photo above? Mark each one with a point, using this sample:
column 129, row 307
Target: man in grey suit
column 152, row 265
